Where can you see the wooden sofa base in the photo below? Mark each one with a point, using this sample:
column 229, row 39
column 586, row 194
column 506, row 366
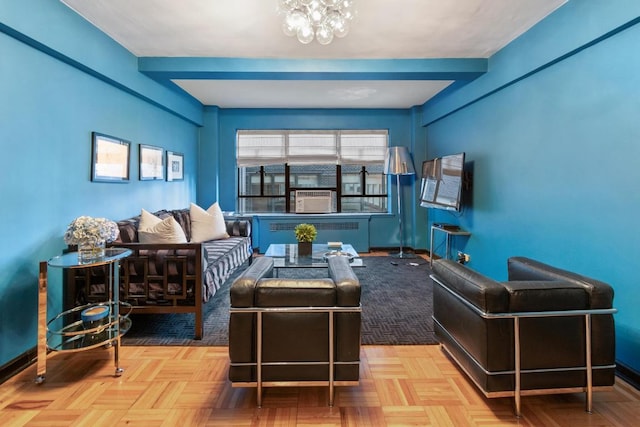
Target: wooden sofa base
column 178, row 303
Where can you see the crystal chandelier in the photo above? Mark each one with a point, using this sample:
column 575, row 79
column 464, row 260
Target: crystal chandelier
column 322, row 19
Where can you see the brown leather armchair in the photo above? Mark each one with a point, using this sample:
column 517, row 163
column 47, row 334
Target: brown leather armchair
column 295, row 332
column 545, row 330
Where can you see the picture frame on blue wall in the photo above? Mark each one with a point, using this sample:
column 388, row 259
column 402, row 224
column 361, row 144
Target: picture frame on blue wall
column 151, row 163
column 175, row 166
column 109, row 158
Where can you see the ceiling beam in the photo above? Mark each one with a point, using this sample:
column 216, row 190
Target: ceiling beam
column 200, row 68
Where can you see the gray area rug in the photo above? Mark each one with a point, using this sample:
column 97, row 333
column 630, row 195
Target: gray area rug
column 397, row 304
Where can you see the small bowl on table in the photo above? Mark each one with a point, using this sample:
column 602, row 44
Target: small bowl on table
column 95, row 317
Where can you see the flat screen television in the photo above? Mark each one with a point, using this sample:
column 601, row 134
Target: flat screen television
column 442, row 182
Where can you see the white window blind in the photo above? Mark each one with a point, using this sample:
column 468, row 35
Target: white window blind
column 312, row 148
column 363, row 148
column 256, row 148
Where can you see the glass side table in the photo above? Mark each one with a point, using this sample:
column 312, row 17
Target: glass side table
column 67, row 332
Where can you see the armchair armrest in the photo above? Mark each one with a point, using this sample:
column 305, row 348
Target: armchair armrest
column 347, row 283
column 242, row 289
column 486, row 294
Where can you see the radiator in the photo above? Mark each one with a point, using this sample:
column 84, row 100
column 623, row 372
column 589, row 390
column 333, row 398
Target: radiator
column 354, row 231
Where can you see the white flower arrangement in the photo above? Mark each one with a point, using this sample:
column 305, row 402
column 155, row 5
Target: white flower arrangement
column 86, row 229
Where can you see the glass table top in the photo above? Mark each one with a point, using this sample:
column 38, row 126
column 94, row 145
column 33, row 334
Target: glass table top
column 70, row 259
column 286, row 255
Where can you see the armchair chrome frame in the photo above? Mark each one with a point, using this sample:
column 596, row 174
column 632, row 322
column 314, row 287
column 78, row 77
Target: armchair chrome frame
column 330, row 382
column 516, row 316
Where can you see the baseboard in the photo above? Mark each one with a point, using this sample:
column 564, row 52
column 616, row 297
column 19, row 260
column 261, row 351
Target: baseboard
column 628, row 374
column 18, row 364
column 393, row 249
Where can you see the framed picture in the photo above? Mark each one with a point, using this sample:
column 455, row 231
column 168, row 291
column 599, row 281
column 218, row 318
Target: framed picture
column 109, row 158
column 151, row 163
column 175, row 166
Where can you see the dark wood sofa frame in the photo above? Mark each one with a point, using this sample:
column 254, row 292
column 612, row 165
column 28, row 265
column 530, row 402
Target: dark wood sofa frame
column 165, row 278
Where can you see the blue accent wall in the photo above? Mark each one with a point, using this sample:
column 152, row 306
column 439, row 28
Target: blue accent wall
column 49, row 106
column 551, row 133
column 218, row 146
column 553, row 137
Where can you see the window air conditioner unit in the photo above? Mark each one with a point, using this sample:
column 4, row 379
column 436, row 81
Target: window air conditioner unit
column 313, row 201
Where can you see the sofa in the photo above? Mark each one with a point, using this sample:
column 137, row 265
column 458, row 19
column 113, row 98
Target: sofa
column 167, row 277
column 295, row 332
column 544, row 330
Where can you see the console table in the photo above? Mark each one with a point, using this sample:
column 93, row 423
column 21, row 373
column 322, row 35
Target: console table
column 449, row 232
column 65, row 332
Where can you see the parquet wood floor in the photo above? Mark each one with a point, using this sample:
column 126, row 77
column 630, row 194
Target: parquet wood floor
column 187, row 386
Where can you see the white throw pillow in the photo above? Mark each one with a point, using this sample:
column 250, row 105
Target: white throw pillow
column 166, row 231
column 147, row 220
column 155, row 230
column 207, row 225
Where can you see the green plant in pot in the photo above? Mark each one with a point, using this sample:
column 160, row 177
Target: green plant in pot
column 305, row 235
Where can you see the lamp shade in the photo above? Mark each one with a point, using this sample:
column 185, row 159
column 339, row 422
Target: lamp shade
column 398, row 162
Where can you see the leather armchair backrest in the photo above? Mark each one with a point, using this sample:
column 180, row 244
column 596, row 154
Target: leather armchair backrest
column 545, row 295
column 521, row 268
column 279, row 292
column 342, row 288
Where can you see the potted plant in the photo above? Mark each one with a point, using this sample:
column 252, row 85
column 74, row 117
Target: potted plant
column 305, row 235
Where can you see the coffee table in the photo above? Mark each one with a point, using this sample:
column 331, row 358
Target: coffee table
column 285, row 255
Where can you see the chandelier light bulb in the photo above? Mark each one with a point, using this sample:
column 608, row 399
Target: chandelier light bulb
column 305, row 34
column 287, row 4
column 324, row 34
column 319, row 19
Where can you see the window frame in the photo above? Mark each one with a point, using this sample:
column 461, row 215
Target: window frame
column 337, row 190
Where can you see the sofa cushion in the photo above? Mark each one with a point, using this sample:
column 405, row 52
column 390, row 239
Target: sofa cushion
column 183, row 218
column 128, row 230
column 164, row 231
column 207, row 225
column 222, row 258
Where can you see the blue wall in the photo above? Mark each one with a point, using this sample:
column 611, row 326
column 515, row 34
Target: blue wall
column 218, row 147
column 551, row 132
column 49, row 106
column 553, row 135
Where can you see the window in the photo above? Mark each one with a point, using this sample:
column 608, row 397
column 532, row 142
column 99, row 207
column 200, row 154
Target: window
column 272, row 165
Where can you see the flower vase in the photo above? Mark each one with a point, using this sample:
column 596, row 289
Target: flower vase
column 304, row 249
column 89, row 252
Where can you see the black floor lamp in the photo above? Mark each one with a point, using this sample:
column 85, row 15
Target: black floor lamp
column 398, row 162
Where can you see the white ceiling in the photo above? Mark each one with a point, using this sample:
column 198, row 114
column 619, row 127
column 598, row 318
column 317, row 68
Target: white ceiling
column 383, row 29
